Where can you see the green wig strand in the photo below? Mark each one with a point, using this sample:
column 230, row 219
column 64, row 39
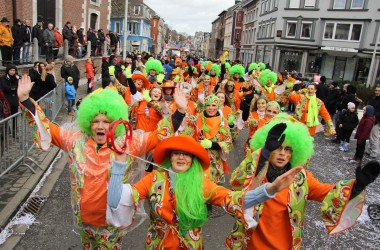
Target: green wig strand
column 261, row 66
column 297, row 137
column 216, row 68
column 153, row 64
column 252, row 66
column 190, row 201
column 205, row 63
column 237, row 69
column 102, row 101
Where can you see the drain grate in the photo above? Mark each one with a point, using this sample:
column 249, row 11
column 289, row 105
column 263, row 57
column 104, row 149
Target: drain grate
column 34, row 205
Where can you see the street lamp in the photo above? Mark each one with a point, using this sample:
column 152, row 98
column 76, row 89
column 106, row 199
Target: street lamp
column 125, row 33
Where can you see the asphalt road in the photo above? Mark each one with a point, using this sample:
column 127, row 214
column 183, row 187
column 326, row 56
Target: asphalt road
column 55, row 228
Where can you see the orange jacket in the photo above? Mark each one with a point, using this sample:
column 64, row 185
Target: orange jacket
column 89, row 70
column 146, row 122
column 6, row 38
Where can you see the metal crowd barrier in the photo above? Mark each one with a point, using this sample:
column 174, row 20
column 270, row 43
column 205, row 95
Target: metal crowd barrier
column 16, row 136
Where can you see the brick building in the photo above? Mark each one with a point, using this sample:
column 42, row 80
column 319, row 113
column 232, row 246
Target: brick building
column 82, row 13
column 154, row 23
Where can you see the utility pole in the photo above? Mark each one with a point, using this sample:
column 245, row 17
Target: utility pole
column 371, row 74
column 125, row 33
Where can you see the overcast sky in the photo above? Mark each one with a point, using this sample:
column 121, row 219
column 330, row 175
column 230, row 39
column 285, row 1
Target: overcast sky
column 189, row 16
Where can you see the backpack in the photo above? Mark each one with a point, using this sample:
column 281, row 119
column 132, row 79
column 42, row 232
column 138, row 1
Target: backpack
column 6, row 107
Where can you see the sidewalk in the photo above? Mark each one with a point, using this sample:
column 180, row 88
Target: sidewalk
column 16, row 186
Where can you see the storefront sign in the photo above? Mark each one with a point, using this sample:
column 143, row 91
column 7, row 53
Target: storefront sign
column 340, row 49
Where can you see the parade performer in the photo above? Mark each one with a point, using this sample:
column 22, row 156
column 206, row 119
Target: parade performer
column 89, row 156
column 237, row 73
column 202, row 90
column 309, row 108
column 267, row 81
column 214, row 74
column 279, row 146
column 178, row 194
column 154, row 69
column 148, row 111
column 214, row 135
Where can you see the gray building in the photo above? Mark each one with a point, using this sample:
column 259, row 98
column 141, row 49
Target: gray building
column 335, row 38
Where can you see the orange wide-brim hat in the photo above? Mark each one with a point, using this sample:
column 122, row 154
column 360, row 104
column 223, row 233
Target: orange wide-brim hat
column 143, row 78
column 181, row 143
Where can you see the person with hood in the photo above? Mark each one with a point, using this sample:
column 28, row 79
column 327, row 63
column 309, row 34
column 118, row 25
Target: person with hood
column 362, row 133
column 9, row 85
column 278, row 147
column 89, row 156
column 18, row 40
column 70, row 69
column 49, row 41
column 6, row 41
column 37, row 32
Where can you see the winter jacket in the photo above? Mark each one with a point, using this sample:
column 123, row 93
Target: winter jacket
column 70, row 91
column 47, row 85
column 49, row 37
column 9, row 86
column 364, row 128
column 322, row 92
column 58, row 39
column 37, row 32
column 349, row 120
column 27, row 34
column 17, row 34
column 6, row 38
column 70, row 70
column 332, row 100
column 68, row 34
column 35, row 77
column 89, row 70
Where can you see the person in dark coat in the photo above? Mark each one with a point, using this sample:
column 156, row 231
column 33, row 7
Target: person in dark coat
column 9, row 85
column 69, row 69
column 18, row 40
column 35, row 76
column 27, row 34
column 48, row 80
column 37, row 32
column 332, row 98
column 348, row 122
column 93, row 39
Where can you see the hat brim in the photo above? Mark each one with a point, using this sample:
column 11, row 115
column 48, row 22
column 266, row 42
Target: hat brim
column 181, row 143
column 143, row 78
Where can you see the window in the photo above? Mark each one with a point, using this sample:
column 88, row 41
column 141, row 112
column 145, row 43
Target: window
column 268, row 30
column 309, row 3
column 343, row 31
column 239, row 18
column 339, row 4
column 154, row 24
column 136, row 9
column 306, row 30
column 117, row 27
column 273, row 30
column 294, row 4
column 291, row 28
column 93, row 20
column 262, row 8
column 275, row 3
column 237, row 37
column 357, row 4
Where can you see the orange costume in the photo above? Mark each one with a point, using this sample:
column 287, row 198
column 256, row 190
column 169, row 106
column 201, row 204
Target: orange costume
column 147, row 117
column 301, row 112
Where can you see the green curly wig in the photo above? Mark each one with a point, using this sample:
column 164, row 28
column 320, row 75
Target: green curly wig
column 237, row 69
column 261, row 66
column 102, row 101
column 297, row 137
column 205, row 63
column 252, row 67
column 228, row 66
column 153, row 64
column 216, row 68
column 266, row 75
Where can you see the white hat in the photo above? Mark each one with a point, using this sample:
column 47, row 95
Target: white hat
column 351, row 105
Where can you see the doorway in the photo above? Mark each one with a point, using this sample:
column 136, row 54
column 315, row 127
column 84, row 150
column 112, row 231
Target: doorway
column 339, row 68
column 46, row 8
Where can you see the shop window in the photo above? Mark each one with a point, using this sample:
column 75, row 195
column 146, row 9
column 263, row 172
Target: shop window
column 291, row 28
column 343, row 31
column 339, row 4
column 306, row 30
column 357, row 4
column 294, row 4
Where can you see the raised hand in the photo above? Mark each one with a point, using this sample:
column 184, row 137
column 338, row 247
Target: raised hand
column 275, row 137
column 180, row 100
column 24, row 87
column 283, row 181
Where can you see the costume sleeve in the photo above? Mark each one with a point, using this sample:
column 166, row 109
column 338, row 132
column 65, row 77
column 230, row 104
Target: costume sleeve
column 242, row 177
column 338, row 212
column 44, row 131
column 225, row 144
column 120, row 88
column 294, row 98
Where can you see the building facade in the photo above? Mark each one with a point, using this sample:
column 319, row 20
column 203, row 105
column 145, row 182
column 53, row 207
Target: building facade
column 82, row 13
column 250, row 9
column 334, row 38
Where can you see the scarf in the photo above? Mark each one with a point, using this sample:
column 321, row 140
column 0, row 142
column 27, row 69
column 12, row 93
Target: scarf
column 312, row 115
column 269, row 89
